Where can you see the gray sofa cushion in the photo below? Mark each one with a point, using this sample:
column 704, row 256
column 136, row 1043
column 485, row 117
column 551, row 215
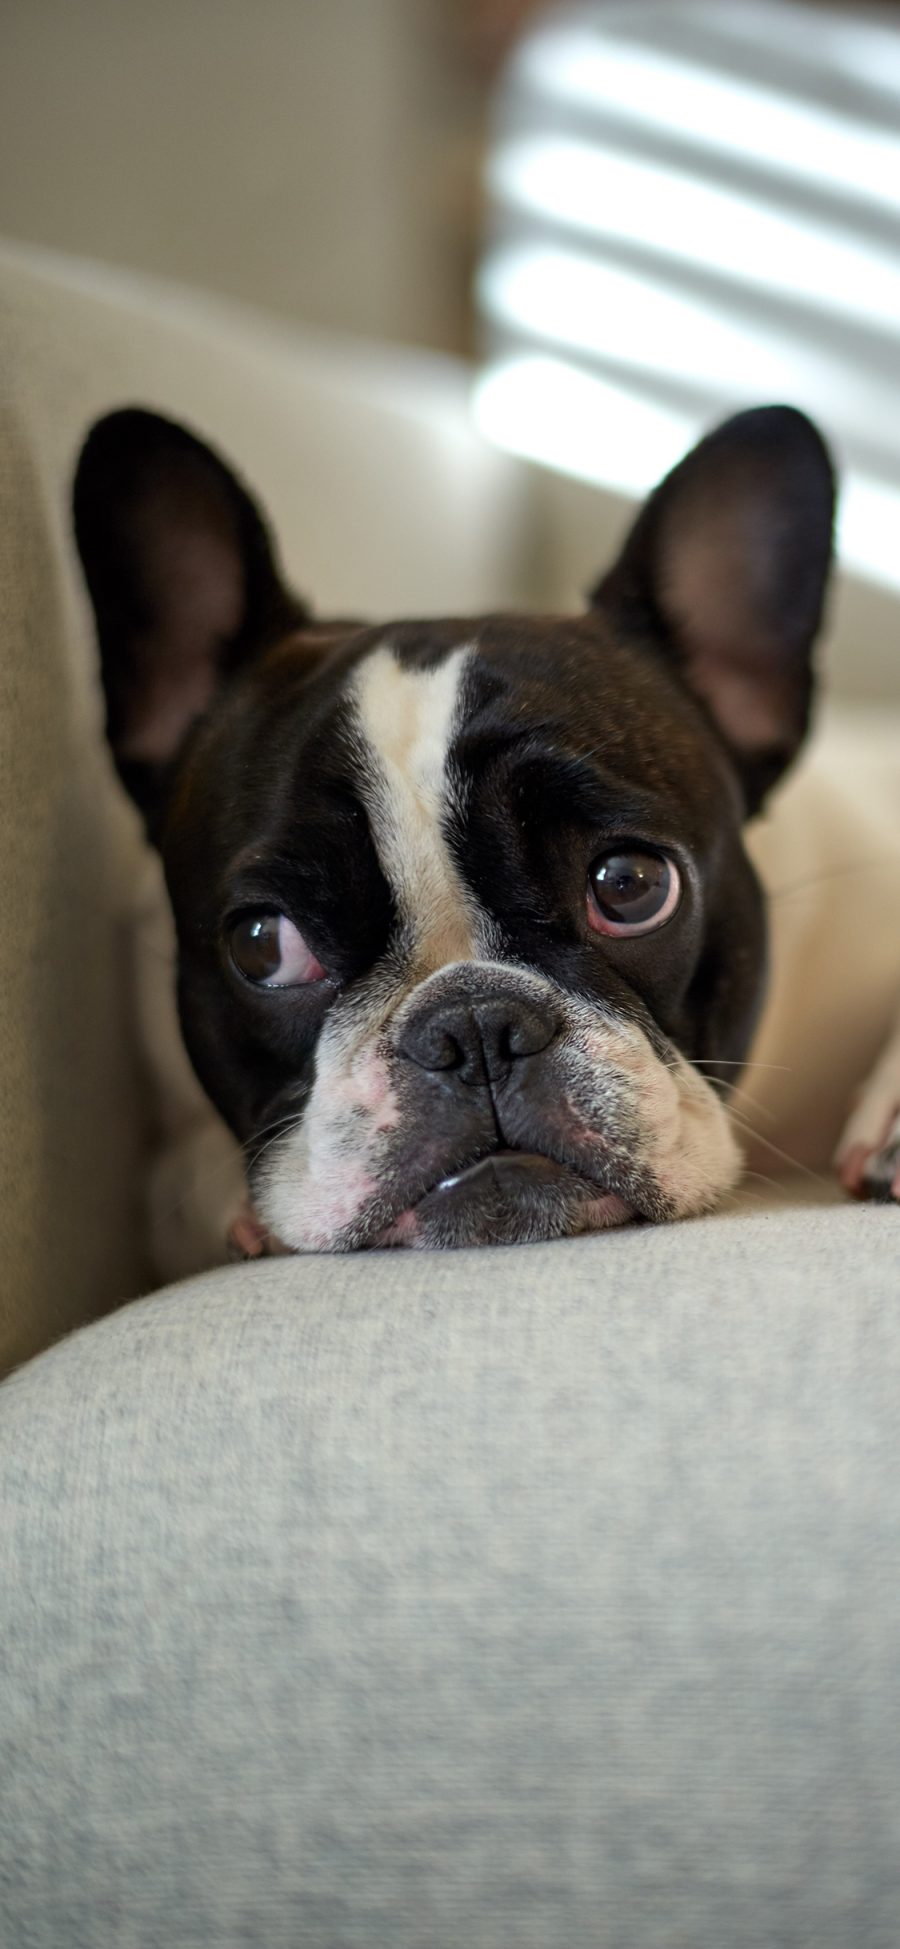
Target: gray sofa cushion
column 540, row 1597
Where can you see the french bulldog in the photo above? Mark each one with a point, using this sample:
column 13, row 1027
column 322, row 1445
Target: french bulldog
column 469, row 946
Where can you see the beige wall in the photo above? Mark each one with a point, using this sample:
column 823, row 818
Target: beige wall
column 295, row 153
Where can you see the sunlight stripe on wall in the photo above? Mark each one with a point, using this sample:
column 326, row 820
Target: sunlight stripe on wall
column 548, row 411
column 694, row 208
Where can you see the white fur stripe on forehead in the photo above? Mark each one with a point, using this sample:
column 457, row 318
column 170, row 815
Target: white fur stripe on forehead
column 406, row 719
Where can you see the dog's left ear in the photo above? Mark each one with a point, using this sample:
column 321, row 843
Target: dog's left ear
column 184, row 582
column 727, row 564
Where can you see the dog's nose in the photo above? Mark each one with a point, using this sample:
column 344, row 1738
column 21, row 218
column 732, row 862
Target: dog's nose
column 476, row 1039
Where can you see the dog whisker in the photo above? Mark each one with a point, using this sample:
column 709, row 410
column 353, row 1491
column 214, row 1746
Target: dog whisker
column 830, row 873
column 254, row 1150
column 203, row 1179
column 776, row 1184
column 796, row 1163
column 758, row 1109
column 704, row 1062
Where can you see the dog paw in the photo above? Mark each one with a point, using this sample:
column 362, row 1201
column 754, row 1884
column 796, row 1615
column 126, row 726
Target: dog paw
column 868, row 1157
column 249, row 1239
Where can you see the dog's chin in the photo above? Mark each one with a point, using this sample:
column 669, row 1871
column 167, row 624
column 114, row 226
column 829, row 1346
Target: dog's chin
column 509, row 1198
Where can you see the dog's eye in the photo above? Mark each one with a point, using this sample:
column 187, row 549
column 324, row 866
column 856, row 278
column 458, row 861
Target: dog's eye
column 631, row 892
column 267, row 949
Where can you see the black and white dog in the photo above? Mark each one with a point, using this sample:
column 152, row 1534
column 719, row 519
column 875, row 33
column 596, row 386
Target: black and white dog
column 469, row 945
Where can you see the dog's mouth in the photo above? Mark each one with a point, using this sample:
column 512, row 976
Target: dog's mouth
column 534, row 1178
column 507, row 1197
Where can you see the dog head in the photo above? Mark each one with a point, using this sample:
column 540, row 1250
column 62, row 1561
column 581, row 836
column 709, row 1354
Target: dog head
column 469, row 946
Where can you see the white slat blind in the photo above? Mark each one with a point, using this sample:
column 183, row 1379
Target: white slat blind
column 695, row 206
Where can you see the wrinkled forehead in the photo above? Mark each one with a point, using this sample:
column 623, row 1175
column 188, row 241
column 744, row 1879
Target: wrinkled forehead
column 433, row 706
column 427, row 729
column 438, row 729
column 466, row 683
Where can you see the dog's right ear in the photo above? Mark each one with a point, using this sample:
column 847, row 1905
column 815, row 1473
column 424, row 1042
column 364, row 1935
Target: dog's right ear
column 725, row 571
column 184, row 582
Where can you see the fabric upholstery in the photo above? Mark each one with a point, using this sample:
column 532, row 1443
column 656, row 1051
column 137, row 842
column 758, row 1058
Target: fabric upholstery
column 539, row 1597
column 385, row 501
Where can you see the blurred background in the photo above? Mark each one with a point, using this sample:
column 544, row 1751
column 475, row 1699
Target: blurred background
column 319, row 158
column 630, row 218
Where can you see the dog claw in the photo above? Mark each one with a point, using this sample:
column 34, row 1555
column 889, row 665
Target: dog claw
column 873, row 1170
column 851, row 1167
column 247, row 1238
